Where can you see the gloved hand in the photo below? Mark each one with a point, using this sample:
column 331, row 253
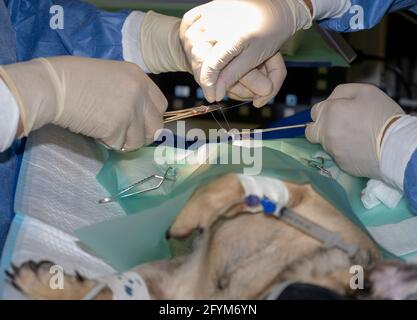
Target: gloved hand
column 261, row 84
column 112, row 101
column 351, row 124
column 161, row 47
column 162, row 51
column 225, row 39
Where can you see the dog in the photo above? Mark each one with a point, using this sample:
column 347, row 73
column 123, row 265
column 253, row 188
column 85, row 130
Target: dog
column 241, row 255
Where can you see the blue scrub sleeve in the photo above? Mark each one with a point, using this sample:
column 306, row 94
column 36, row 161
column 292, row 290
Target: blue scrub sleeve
column 372, row 12
column 10, row 162
column 410, row 182
column 86, row 30
column 7, row 37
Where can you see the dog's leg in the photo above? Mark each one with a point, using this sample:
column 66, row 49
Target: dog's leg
column 34, row 281
column 207, row 204
column 392, row 280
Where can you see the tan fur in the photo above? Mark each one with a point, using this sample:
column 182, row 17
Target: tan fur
column 243, row 255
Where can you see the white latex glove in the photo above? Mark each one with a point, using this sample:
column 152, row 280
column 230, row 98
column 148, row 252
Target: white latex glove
column 261, row 84
column 162, row 51
column 161, row 47
column 225, row 39
column 351, row 124
column 114, row 102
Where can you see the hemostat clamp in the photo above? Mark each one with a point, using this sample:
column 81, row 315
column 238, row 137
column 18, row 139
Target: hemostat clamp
column 127, row 192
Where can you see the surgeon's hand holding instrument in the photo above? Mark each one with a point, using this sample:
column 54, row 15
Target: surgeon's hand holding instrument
column 256, row 30
column 106, row 100
column 351, row 125
column 162, row 51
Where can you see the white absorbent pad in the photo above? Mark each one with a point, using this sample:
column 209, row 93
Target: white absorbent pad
column 38, row 241
column 57, row 193
column 377, row 192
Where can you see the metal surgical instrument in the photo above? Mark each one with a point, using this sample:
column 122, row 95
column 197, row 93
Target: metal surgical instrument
column 171, row 116
column 200, row 109
column 125, row 193
column 253, row 131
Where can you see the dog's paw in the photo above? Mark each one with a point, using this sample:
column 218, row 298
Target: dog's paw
column 41, row 281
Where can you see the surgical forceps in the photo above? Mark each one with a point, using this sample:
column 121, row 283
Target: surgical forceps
column 125, row 193
column 201, row 109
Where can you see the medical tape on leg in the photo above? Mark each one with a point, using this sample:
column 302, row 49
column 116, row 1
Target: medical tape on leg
column 261, row 186
column 124, row 286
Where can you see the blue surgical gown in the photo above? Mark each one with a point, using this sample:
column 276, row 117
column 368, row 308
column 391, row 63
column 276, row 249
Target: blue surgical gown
column 410, row 182
column 370, row 12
